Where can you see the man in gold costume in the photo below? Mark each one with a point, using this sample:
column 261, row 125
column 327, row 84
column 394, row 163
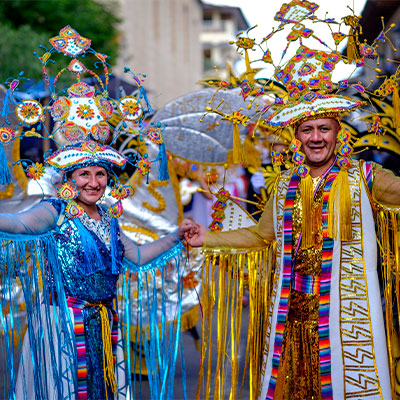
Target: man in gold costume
column 326, row 333
column 316, row 324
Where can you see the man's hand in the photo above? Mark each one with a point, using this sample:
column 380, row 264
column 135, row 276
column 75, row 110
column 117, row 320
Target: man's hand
column 196, row 236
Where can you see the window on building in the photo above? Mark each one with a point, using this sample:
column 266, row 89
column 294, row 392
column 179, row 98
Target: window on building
column 207, row 60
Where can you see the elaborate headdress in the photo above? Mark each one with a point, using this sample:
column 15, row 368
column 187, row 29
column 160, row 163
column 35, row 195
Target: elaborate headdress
column 81, row 113
column 305, row 72
column 312, row 94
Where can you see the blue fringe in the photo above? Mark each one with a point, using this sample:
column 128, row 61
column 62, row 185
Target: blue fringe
column 158, row 262
column 160, row 338
column 163, row 174
column 92, row 259
column 33, row 259
column 5, row 176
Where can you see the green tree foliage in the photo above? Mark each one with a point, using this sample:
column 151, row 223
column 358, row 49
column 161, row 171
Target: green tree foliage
column 26, row 24
column 16, row 52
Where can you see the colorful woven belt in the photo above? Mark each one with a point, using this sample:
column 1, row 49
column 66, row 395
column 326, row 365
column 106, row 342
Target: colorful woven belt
column 110, row 339
column 306, row 283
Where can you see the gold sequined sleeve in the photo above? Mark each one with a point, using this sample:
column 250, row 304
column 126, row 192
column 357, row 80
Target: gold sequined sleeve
column 254, row 237
column 386, row 187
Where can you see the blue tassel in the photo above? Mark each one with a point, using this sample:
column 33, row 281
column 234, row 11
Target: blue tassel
column 5, row 176
column 6, row 100
column 163, row 174
column 92, row 261
column 116, row 263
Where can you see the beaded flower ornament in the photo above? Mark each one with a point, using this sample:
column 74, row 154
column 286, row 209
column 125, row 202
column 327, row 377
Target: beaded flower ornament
column 82, row 114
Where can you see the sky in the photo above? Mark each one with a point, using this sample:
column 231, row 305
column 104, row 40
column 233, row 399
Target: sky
column 262, row 12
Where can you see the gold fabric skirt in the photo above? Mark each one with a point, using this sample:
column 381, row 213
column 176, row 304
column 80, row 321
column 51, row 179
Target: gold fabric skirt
column 299, row 368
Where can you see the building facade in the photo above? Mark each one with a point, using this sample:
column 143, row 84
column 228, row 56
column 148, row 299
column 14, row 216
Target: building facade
column 176, row 43
column 220, row 26
column 160, row 38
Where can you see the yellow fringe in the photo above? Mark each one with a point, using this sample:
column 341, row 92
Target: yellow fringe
column 306, row 188
column 225, row 344
column 396, row 107
column 388, row 222
column 238, row 156
column 108, row 358
column 339, row 204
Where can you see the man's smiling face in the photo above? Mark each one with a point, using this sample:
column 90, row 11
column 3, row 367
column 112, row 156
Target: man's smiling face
column 319, row 138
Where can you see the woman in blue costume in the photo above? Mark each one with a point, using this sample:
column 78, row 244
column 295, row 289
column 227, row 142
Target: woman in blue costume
column 69, row 257
column 70, row 285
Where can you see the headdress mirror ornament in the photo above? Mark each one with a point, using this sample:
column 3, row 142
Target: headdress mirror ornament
column 83, row 132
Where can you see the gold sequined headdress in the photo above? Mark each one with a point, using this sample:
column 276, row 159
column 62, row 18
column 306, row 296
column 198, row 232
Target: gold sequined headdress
column 305, row 71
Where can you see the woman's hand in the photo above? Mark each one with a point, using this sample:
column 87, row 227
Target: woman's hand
column 196, row 236
column 193, row 232
column 187, row 225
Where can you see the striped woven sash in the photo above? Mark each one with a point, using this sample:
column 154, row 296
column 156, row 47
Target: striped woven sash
column 306, row 283
column 77, row 306
column 289, row 282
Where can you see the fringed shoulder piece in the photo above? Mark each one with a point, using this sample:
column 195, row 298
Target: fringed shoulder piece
column 253, row 270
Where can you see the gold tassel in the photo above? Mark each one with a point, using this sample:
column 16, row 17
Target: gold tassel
column 249, row 70
column 251, row 154
column 332, row 221
column 306, row 188
column 346, row 233
column 352, row 50
column 396, row 107
column 238, row 156
column 108, row 360
column 339, row 204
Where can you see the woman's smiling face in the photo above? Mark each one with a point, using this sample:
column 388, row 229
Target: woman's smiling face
column 91, row 182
